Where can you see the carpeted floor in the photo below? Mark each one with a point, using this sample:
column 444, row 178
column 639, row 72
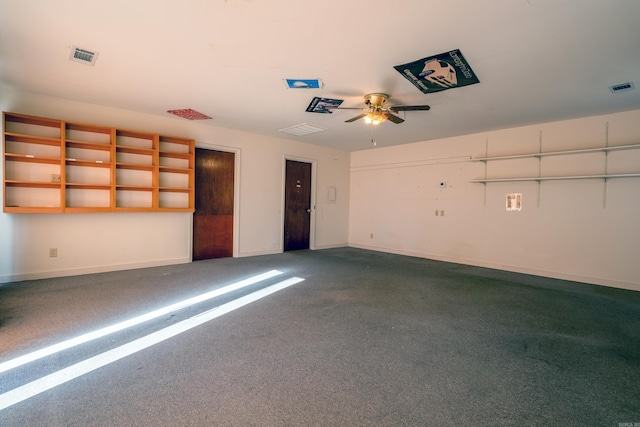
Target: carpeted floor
column 367, row 339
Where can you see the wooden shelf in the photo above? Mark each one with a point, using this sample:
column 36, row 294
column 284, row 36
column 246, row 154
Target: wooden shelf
column 10, row 157
column 88, row 145
column 82, row 186
column 88, row 163
column 134, row 188
column 176, row 177
column 32, row 139
column 99, row 168
column 168, row 169
column 184, row 156
column 28, row 209
column 135, row 150
column 32, row 184
column 175, row 190
column 135, row 166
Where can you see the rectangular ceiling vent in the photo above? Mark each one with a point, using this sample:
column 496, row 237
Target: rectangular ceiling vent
column 83, row 56
column 302, row 129
column 621, row 87
column 189, row 114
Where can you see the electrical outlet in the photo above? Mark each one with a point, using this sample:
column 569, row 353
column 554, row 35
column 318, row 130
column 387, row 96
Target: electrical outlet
column 53, row 252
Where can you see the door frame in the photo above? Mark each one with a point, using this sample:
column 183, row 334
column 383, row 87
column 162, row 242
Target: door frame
column 236, row 192
column 312, row 218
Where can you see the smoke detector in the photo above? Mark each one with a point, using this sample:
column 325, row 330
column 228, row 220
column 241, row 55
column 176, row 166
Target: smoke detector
column 83, row 56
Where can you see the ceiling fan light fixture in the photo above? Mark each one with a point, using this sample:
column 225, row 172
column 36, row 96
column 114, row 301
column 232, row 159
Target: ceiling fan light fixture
column 375, row 118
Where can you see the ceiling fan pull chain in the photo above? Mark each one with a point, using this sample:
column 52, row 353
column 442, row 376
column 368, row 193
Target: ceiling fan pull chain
column 373, row 130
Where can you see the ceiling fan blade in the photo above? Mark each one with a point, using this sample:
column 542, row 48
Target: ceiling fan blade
column 355, row 118
column 397, row 108
column 395, row 119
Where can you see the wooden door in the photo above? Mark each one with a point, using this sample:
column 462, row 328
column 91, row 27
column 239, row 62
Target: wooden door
column 297, row 205
column 213, row 218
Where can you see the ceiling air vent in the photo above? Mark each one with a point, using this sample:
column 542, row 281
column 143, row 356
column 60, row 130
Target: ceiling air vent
column 621, row 87
column 302, row 129
column 189, row 114
column 83, row 56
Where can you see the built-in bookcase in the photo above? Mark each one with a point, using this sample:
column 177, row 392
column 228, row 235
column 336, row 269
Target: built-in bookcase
column 176, row 173
column 136, row 171
column 55, row 166
column 88, row 168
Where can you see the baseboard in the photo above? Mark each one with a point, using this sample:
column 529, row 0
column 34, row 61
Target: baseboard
column 279, row 251
column 320, row 247
column 259, row 253
column 515, row 269
column 90, row 270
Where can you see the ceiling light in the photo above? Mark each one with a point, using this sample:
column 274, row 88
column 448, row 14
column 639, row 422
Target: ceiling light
column 375, row 117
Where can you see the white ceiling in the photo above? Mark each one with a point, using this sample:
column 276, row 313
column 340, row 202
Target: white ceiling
column 537, row 60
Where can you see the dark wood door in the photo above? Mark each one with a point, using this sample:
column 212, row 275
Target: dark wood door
column 213, row 218
column 297, row 205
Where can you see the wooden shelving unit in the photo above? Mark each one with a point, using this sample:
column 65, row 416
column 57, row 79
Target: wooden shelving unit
column 55, row 166
column 88, row 168
column 136, row 179
column 176, row 175
column 33, row 167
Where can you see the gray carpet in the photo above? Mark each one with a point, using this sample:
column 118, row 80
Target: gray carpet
column 366, row 339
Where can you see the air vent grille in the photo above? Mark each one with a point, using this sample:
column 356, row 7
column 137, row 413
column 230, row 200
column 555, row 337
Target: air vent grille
column 621, row 87
column 302, row 129
column 189, row 114
column 83, row 56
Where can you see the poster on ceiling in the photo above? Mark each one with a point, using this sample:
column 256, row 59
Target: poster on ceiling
column 439, row 72
column 323, row 105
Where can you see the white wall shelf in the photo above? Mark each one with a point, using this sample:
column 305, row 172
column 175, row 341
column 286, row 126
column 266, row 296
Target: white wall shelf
column 559, row 153
column 558, row 178
column 602, row 174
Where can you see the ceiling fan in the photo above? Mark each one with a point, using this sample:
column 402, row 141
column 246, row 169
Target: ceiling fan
column 378, row 109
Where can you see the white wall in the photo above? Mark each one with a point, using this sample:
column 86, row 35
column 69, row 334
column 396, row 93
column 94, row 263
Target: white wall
column 579, row 230
column 110, row 241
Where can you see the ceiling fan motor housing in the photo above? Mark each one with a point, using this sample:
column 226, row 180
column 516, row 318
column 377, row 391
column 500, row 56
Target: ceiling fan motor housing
column 376, row 99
